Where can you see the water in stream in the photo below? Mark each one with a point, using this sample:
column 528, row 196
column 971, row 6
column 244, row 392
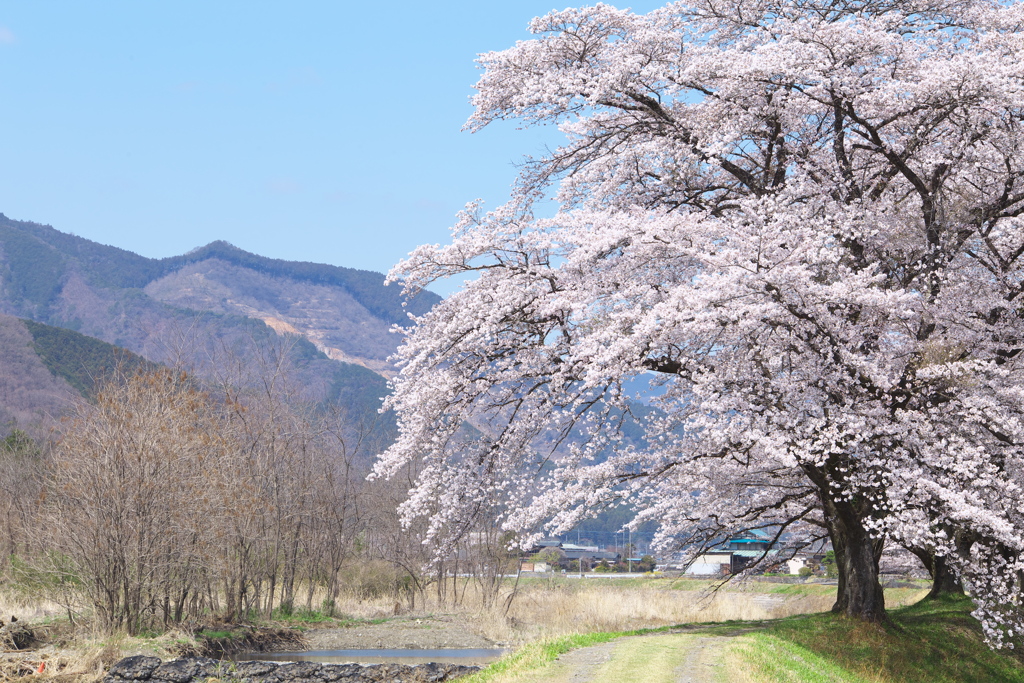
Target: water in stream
column 468, row 656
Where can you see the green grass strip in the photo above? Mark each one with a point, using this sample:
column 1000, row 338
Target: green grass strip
column 544, row 652
column 933, row 641
column 774, row 660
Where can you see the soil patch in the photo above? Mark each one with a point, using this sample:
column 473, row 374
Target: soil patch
column 416, row 633
column 14, row 636
column 244, row 639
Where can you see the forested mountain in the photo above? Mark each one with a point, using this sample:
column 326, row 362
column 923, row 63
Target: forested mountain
column 81, row 361
column 43, row 368
column 214, row 307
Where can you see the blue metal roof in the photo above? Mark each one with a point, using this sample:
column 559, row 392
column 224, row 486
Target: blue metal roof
column 753, row 553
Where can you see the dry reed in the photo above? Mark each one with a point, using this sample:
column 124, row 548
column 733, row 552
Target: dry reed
column 560, row 606
column 594, row 606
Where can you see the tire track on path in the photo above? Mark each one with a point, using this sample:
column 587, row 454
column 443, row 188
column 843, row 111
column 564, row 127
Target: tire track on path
column 686, row 655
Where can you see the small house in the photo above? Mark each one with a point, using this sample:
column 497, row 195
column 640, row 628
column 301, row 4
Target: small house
column 740, row 551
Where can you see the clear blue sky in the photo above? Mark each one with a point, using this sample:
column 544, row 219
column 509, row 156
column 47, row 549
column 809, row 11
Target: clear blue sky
column 320, row 131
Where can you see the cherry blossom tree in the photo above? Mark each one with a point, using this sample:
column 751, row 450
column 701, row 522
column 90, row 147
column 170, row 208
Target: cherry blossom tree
column 799, row 221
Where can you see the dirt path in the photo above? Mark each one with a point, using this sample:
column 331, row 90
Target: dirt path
column 581, row 664
column 704, row 660
column 687, row 656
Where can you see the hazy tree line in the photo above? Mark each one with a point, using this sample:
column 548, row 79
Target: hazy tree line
column 167, row 500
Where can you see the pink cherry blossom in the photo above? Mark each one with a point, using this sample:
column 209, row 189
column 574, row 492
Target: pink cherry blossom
column 801, row 222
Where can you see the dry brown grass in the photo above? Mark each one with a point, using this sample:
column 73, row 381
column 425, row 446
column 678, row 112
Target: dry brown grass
column 34, row 610
column 84, row 659
column 69, row 654
column 601, row 605
column 81, row 665
column 557, row 606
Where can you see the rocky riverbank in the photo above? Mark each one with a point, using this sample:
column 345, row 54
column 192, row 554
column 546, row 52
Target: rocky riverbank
column 199, row 669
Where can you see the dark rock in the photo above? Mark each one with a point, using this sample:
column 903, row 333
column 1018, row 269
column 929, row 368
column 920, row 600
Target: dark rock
column 372, row 672
column 298, row 672
column 207, row 668
column 185, row 669
column 341, row 672
column 251, row 669
column 200, row 669
column 435, row 673
column 460, row 670
column 254, row 671
column 389, row 673
column 431, row 672
column 137, row 668
column 178, row 671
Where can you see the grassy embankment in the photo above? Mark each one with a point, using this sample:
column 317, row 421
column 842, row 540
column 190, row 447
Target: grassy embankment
column 931, row 641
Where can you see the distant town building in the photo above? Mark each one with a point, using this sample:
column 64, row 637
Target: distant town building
column 740, row 550
column 566, row 552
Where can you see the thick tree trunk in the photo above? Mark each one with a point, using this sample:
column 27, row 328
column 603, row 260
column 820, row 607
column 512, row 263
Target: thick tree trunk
column 944, row 581
column 857, row 554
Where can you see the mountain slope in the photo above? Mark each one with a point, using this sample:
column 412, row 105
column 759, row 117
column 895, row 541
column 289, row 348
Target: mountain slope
column 328, row 316
column 81, row 361
column 364, row 286
column 43, row 369
column 30, row 395
column 213, row 306
column 133, row 301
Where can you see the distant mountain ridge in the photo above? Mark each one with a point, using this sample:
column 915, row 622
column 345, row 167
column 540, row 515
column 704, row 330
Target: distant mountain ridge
column 114, row 267
column 214, row 302
column 68, row 281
